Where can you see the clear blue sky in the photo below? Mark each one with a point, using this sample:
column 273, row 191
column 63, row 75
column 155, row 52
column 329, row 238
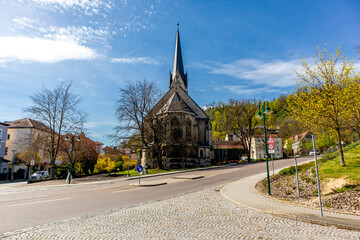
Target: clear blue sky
column 231, row 49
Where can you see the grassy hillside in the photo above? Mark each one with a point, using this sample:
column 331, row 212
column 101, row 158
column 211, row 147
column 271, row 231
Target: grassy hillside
column 340, row 186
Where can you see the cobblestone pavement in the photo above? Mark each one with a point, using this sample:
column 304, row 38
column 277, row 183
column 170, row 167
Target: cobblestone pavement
column 204, row 214
column 244, row 193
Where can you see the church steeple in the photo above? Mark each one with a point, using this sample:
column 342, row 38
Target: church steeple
column 178, row 69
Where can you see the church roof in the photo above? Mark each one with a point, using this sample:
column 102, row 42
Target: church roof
column 175, row 103
column 178, row 73
column 177, row 100
column 178, row 61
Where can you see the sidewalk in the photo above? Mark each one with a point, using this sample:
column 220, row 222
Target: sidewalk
column 243, row 192
column 7, row 187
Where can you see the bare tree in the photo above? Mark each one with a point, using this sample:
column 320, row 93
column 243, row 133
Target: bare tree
column 58, row 109
column 135, row 102
column 241, row 121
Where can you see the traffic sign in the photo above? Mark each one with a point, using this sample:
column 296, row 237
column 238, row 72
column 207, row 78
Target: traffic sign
column 270, row 140
column 32, row 162
column 139, row 168
column 271, row 151
column 271, row 146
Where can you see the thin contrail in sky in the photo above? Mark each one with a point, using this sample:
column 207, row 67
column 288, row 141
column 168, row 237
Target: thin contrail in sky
column 139, row 47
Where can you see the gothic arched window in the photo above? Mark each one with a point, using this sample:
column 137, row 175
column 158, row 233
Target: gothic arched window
column 176, row 132
column 188, row 131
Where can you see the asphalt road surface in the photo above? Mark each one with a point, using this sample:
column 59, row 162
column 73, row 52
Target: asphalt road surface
column 38, row 205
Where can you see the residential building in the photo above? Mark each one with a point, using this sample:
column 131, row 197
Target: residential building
column 22, row 134
column 3, row 136
column 258, row 147
column 299, row 142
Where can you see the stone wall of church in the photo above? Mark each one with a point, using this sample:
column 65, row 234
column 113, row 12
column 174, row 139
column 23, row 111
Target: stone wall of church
column 187, row 143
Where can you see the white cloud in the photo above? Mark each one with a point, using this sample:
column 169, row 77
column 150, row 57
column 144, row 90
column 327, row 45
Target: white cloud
column 80, row 34
column 42, row 50
column 276, row 73
column 90, row 6
column 24, row 22
column 241, row 90
column 136, row 60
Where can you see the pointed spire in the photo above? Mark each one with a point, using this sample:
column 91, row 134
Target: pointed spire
column 178, row 68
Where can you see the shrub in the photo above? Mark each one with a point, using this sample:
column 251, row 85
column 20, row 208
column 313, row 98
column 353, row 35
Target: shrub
column 104, row 164
column 127, row 162
column 61, row 171
column 118, row 166
column 288, row 171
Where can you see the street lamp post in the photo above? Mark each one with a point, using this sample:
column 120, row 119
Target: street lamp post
column 71, row 152
column 261, row 113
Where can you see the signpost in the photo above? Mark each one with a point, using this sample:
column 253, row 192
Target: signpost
column 317, row 174
column 139, row 168
column 271, row 150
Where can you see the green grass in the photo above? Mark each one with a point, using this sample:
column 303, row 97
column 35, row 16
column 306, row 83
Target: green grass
column 330, row 168
column 351, row 170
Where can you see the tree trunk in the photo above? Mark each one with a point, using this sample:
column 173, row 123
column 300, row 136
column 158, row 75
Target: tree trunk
column 341, row 154
column 52, row 169
column 249, row 150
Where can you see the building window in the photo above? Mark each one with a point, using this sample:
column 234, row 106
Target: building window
column 259, row 155
column 201, row 153
column 0, row 134
column 277, row 148
column 188, row 131
column 8, row 136
column 176, row 131
column 6, row 150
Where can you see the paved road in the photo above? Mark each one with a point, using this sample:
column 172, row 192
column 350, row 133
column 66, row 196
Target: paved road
column 34, row 206
column 204, row 214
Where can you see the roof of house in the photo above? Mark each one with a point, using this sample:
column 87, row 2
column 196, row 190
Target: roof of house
column 227, row 144
column 27, row 123
column 300, row 136
column 267, row 135
column 4, row 124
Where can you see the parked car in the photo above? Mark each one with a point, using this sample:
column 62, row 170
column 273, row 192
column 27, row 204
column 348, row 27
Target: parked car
column 40, row 174
column 312, row 152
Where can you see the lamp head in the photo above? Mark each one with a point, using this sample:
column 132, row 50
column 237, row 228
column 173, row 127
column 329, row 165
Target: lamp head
column 267, row 109
column 258, row 115
column 259, row 112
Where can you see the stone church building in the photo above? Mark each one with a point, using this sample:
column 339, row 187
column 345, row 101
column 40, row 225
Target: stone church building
column 184, row 137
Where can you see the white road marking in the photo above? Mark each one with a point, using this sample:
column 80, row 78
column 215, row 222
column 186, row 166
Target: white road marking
column 128, row 190
column 18, row 199
column 30, row 203
column 96, row 189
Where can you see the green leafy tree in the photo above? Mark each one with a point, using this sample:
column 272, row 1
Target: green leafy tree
column 325, row 94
